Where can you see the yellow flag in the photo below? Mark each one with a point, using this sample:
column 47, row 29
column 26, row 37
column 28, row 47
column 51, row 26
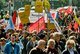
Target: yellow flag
column 39, row 6
column 77, row 20
column 50, row 25
column 24, row 19
column 74, row 11
column 47, row 5
column 27, row 10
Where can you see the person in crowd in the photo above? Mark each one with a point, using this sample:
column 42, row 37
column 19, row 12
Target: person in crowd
column 70, row 47
column 78, row 42
column 3, row 40
column 24, row 41
column 51, row 47
column 8, row 34
column 32, row 43
column 59, row 44
column 39, row 49
column 6, row 16
column 73, row 38
column 12, row 47
column 18, row 41
column 2, row 31
column 51, row 36
column 43, row 36
column 0, row 47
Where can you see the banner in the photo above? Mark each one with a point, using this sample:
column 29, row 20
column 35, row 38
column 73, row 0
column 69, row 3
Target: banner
column 46, row 5
column 39, row 6
column 38, row 25
column 27, row 10
column 24, row 19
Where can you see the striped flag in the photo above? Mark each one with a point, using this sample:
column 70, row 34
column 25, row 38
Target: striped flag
column 18, row 24
column 54, row 21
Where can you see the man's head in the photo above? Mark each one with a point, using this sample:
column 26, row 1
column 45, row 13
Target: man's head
column 13, row 36
column 43, row 36
column 41, row 44
column 25, row 33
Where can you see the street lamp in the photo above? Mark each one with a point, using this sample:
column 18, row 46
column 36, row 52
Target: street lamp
column 9, row 7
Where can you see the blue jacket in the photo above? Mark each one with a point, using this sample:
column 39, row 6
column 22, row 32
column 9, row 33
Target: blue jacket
column 8, row 49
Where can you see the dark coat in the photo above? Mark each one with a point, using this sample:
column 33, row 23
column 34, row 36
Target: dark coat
column 67, row 52
column 37, row 51
column 51, row 51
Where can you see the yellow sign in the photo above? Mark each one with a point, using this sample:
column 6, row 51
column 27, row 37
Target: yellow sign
column 38, row 6
column 27, row 10
column 50, row 25
column 46, row 5
column 24, row 19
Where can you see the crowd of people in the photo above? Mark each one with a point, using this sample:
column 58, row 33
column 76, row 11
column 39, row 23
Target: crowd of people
column 46, row 42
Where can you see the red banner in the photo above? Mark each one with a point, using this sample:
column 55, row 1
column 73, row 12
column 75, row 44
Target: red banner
column 38, row 25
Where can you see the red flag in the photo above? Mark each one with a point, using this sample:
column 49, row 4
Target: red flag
column 68, row 11
column 62, row 10
column 53, row 15
column 14, row 17
column 38, row 25
column 76, row 26
column 18, row 25
column 70, row 26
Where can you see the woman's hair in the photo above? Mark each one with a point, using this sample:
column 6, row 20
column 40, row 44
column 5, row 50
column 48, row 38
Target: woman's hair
column 72, row 37
column 49, row 41
column 55, row 34
column 70, row 42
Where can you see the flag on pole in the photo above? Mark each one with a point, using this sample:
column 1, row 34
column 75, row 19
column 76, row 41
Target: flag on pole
column 55, row 15
column 76, row 26
column 14, row 17
column 54, row 21
column 10, row 25
column 77, row 20
column 68, row 11
column 18, row 25
column 38, row 25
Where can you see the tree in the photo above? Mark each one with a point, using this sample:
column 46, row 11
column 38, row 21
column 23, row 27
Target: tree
column 74, row 2
column 1, row 5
